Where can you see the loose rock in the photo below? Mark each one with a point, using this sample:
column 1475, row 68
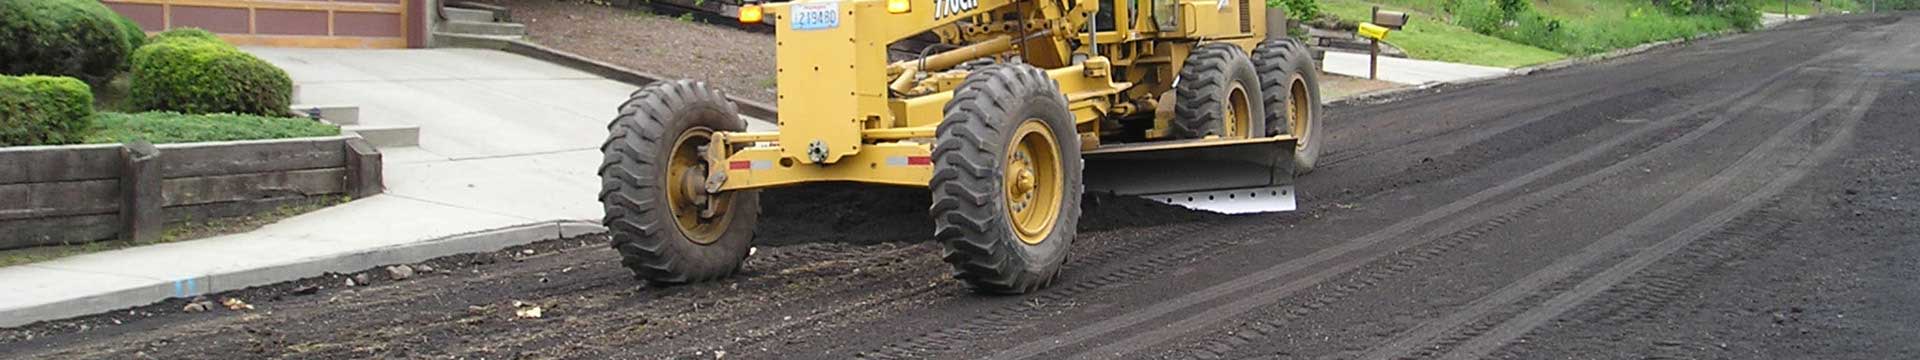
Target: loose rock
column 236, row 304
column 531, row 312
column 399, row 272
column 306, row 290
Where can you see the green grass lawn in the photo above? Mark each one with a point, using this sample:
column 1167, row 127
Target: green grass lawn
column 167, row 127
column 1432, row 38
column 1584, row 27
column 1804, row 7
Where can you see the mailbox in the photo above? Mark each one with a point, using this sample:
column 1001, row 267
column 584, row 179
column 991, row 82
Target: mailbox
column 1371, row 31
column 1390, row 19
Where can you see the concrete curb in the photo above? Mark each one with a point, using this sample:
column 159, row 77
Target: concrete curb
column 474, row 242
column 750, row 108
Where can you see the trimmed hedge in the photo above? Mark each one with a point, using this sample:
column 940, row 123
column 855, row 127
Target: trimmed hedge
column 76, row 38
column 43, row 110
column 169, row 127
column 179, row 72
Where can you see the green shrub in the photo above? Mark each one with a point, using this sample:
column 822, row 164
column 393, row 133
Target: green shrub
column 206, row 76
column 132, row 34
column 183, row 33
column 1513, row 10
column 1481, row 16
column 1679, row 7
column 76, row 38
column 1888, row 5
column 1302, row 10
column 169, row 127
column 1740, row 14
column 43, row 110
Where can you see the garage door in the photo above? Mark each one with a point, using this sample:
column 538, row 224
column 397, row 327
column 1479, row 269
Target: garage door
column 294, row 23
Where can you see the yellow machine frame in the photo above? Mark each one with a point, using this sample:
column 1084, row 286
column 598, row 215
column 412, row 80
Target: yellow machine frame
column 847, row 114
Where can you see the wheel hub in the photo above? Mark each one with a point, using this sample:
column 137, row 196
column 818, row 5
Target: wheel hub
column 1238, row 115
column 698, row 213
column 1298, row 118
column 1032, row 182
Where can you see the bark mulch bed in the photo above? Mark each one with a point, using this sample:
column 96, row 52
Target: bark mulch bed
column 739, row 61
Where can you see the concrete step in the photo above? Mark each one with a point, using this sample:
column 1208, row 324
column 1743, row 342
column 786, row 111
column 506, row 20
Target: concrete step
column 386, row 136
column 452, row 40
column 336, row 114
column 484, row 28
column 474, row 15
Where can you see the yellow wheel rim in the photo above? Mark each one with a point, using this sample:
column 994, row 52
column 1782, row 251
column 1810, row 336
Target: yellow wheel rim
column 1032, row 181
column 1235, row 126
column 686, row 190
column 1298, row 115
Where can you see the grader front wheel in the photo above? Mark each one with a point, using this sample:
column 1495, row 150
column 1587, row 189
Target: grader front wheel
column 1006, row 180
column 665, row 225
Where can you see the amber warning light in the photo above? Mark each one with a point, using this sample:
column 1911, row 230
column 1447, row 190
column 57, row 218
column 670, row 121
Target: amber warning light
column 750, row 14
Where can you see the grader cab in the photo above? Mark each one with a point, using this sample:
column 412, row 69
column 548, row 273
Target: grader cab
column 1012, row 112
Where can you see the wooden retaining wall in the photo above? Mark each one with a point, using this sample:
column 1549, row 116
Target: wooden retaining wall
column 52, row 195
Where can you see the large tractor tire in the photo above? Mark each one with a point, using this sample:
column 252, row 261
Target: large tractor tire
column 1290, row 86
column 667, row 229
column 1218, row 93
column 1006, row 180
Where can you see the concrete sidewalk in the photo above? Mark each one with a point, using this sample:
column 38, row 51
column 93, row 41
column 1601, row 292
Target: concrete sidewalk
column 507, row 155
column 1768, row 19
column 1407, row 71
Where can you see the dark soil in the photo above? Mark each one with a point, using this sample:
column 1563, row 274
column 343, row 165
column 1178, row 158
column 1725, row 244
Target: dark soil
column 1841, row 279
column 865, row 214
column 1453, row 222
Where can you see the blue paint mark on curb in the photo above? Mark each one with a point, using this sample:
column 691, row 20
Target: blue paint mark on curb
column 183, row 287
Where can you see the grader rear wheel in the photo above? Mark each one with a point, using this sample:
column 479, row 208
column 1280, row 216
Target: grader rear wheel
column 1006, row 180
column 667, row 228
column 1291, row 86
column 1218, row 94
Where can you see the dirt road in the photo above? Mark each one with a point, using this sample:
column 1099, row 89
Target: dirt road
column 1751, row 196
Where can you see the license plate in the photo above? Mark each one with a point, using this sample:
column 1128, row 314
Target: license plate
column 816, row 16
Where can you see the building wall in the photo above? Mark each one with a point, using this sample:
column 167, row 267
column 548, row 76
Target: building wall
column 291, row 23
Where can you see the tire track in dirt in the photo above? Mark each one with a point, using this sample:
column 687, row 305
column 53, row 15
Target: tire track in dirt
column 1565, row 103
column 1637, row 298
column 1468, row 158
column 1398, row 230
column 1512, row 329
column 1010, row 317
column 1753, row 161
column 684, row 325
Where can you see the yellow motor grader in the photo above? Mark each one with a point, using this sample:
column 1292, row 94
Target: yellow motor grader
column 1015, row 110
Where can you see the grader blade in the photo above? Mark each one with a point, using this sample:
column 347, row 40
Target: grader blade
column 1226, row 176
